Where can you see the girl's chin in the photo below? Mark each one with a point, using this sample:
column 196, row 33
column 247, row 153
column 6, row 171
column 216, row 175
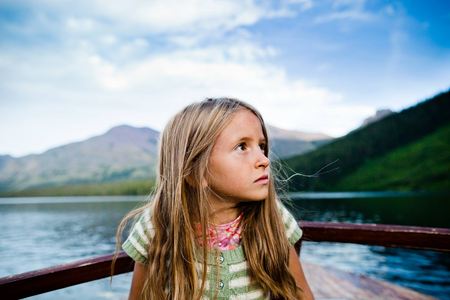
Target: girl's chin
column 255, row 199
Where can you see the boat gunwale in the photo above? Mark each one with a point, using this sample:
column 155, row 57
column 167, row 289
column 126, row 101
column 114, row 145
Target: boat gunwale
column 86, row 270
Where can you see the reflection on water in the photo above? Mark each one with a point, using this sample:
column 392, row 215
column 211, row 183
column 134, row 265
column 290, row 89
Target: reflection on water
column 41, row 232
column 414, row 209
column 424, row 271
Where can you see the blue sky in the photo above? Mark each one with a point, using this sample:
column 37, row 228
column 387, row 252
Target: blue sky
column 72, row 70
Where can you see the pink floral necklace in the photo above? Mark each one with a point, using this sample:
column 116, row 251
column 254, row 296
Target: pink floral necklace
column 224, row 236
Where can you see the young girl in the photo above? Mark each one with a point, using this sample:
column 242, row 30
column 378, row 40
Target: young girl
column 215, row 228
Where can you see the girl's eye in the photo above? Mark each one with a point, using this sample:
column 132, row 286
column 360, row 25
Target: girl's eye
column 262, row 146
column 241, row 146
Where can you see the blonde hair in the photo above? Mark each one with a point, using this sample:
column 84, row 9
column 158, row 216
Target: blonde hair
column 180, row 200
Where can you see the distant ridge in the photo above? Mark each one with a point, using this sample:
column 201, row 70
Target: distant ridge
column 286, row 143
column 279, row 133
column 380, row 114
column 122, row 154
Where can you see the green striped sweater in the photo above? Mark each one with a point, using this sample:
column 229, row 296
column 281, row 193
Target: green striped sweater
column 234, row 281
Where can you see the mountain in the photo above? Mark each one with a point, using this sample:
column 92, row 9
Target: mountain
column 380, row 114
column 338, row 159
column 278, row 133
column 287, row 143
column 124, row 154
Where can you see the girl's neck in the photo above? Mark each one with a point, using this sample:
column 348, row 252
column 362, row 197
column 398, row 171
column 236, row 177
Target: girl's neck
column 223, row 215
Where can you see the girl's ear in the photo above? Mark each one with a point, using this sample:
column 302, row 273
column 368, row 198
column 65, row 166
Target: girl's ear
column 191, row 182
column 204, row 183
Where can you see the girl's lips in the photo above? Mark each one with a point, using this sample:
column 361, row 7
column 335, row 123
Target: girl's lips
column 262, row 179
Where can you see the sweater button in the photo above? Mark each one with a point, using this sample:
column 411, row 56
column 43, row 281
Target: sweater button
column 221, row 284
column 221, row 258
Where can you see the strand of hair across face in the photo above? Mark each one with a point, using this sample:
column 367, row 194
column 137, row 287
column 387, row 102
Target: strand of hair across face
column 316, row 174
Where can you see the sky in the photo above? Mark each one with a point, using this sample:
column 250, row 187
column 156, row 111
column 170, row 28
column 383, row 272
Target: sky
column 70, row 70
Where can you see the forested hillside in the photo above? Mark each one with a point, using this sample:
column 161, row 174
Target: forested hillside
column 346, row 155
column 421, row 165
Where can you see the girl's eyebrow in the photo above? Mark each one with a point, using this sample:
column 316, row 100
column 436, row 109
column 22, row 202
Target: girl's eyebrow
column 246, row 138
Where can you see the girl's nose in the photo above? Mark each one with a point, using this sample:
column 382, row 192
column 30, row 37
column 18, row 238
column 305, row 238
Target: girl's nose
column 262, row 161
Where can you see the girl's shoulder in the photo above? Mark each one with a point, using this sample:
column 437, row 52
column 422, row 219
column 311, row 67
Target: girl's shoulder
column 138, row 240
column 292, row 228
column 145, row 219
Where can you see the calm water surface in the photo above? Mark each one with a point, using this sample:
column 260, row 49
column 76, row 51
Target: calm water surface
column 45, row 231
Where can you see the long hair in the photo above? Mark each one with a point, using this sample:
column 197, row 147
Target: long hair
column 180, row 200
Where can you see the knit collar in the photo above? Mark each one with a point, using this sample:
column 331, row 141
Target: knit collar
column 222, row 236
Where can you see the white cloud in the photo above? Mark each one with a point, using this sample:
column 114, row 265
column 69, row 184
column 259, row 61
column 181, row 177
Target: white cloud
column 353, row 15
column 109, row 63
column 346, row 10
column 193, row 15
column 161, row 16
column 99, row 93
column 80, row 24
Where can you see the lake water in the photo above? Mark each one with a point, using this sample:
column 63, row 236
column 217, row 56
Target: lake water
column 45, row 231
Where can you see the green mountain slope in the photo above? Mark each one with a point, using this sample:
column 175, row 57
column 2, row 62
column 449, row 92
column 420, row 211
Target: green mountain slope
column 422, row 165
column 345, row 155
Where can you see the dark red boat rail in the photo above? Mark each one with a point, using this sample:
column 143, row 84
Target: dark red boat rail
column 57, row 277
column 427, row 238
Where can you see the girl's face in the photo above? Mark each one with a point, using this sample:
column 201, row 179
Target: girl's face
column 237, row 161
